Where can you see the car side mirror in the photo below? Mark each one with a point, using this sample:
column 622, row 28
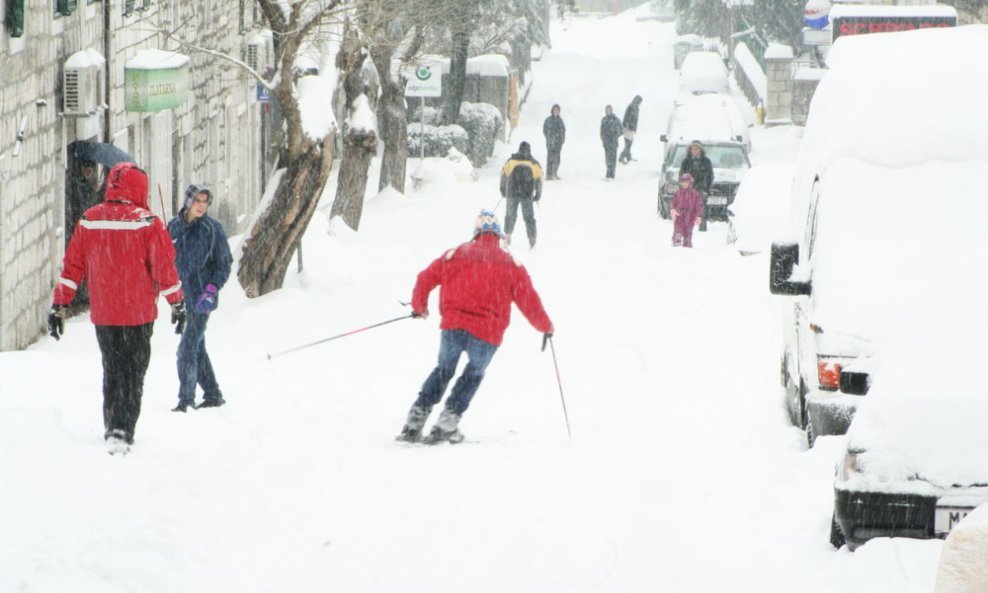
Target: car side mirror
column 664, row 138
column 784, row 257
column 730, row 213
column 738, row 138
column 854, row 383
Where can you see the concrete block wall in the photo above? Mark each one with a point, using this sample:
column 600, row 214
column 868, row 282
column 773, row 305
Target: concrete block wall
column 778, row 71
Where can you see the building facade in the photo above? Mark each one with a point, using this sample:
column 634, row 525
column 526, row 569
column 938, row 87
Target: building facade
column 65, row 66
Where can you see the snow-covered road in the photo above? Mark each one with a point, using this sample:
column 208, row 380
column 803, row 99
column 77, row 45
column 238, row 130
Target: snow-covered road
column 683, row 474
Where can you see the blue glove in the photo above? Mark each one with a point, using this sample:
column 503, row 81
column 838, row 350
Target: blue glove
column 207, row 300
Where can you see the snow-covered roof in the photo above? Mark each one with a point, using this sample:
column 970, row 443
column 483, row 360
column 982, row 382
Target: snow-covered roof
column 156, row 59
column 703, row 71
column 777, row 51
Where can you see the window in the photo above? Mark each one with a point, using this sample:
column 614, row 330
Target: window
column 64, row 7
column 128, row 7
column 145, row 5
column 14, row 17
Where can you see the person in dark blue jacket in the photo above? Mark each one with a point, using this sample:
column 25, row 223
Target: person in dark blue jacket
column 203, row 259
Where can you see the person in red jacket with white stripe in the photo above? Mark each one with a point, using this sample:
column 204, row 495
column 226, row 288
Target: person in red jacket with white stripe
column 123, row 252
column 479, row 283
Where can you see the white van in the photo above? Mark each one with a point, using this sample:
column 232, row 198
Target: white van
column 887, row 198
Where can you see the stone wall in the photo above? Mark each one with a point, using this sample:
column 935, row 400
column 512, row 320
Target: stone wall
column 778, row 72
column 213, row 138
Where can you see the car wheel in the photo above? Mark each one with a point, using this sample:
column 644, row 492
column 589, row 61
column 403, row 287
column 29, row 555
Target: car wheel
column 810, row 437
column 836, row 535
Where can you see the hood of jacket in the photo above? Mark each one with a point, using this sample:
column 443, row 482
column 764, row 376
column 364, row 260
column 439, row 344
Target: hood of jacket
column 126, row 182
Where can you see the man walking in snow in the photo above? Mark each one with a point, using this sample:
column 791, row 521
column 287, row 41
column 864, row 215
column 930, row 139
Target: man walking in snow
column 610, row 131
column 554, row 131
column 203, row 260
column 122, row 250
column 479, row 283
column 521, row 184
column 630, row 125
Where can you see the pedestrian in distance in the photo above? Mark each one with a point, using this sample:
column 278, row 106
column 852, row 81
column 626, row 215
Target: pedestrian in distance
column 554, row 131
column 698, row 166
column 521, row 184
column 203, row 259
column 610, row 131
column 686, row 209
column 630, row 127
column 122, row 250
column 479, row 282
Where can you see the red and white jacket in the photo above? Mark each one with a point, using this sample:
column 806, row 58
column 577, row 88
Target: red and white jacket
column 479, row 282
column 123, row 252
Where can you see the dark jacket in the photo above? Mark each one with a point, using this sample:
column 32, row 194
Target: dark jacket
column 630, row 121
column 610, row 130
column 701, row 170
column 516, row 182
column 554, row 131
column 202, row 254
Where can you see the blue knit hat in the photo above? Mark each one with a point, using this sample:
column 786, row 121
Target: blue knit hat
column 487, row 223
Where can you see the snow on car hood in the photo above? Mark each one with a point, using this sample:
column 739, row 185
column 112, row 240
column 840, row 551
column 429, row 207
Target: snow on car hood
column 925, row 414
column 728, row 175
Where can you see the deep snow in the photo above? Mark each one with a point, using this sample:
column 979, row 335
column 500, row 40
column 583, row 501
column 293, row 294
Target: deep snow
column 683, row 474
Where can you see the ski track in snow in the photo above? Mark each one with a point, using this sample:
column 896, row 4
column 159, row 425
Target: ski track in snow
column 683, row 473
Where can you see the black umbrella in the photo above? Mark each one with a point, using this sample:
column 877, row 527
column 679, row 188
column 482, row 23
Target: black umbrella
column 99, row 152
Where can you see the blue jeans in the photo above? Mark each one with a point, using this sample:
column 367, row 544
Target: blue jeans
column 455, row 342
column 193, row 362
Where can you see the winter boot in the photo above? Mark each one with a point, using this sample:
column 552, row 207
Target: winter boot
column 445, row 429
column 211, row 402
column 412, row 431
column 117, row 442
column 182, row 407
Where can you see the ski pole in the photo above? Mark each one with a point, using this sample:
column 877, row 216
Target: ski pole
column 547, row 338
column 343, row 335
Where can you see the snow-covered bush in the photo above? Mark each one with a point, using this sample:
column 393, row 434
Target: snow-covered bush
column 438, row 139
column 482, row 122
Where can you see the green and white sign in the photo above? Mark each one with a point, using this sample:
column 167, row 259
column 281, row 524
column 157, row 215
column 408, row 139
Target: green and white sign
column 424, row 83
column 156, row 80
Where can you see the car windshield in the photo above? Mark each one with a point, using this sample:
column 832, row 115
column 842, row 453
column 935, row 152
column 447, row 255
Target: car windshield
column 722, row 156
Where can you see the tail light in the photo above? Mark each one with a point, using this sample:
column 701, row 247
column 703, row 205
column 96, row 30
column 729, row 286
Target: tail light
column 828, row 375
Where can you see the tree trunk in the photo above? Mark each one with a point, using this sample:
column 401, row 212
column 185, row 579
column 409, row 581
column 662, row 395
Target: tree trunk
column 359, row 147
column 457, row 72
column 393, row 123
column 269, row 249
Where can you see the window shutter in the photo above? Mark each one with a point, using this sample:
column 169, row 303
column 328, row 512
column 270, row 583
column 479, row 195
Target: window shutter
column 65, row 7
column 15, row 18
column 128, row 7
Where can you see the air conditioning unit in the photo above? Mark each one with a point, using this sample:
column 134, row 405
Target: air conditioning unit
column 82, row 84
column 259, row 53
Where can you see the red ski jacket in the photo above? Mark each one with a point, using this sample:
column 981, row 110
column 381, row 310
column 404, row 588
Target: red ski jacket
column 123, row 252
column 479, row 282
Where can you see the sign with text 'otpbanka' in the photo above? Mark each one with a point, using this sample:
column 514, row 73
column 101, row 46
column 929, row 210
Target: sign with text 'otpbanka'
column 424, row 83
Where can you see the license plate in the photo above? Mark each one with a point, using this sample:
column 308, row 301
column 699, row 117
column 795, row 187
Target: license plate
column 716, row 201
column 946, row 518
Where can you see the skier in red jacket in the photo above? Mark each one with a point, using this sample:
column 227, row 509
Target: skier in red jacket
column 479, row 283
column 125, row 255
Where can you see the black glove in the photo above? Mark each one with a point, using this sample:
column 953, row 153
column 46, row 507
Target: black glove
column 423, row 314
column 178, row 316
column 545, row 339
column 56, row 320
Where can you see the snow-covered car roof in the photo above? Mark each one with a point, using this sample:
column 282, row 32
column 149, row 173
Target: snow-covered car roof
column 924, row 416
column 761, row 206
column 703, row 71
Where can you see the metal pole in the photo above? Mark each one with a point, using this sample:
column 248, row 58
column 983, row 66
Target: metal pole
column 559, row 381
column 343, row 335
column 422, row 124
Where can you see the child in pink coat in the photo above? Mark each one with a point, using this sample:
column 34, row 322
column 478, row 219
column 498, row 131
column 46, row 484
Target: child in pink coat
column 686, row 210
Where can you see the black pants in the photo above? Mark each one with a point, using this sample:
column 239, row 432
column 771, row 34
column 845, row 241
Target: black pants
column 126, row 353
column 552, row 163
column 626, row 153
column 610, row 158
column 703, row 213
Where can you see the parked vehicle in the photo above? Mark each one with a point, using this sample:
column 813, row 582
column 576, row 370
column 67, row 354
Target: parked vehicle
column 760, row 211
column 713, row 116
column 703, row 72
column 684, row 45
column 883, row 197
column 730, row 162
column 962, row 568
column 917, row 450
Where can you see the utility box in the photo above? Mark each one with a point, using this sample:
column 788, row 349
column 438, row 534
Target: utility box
column 83, row 84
